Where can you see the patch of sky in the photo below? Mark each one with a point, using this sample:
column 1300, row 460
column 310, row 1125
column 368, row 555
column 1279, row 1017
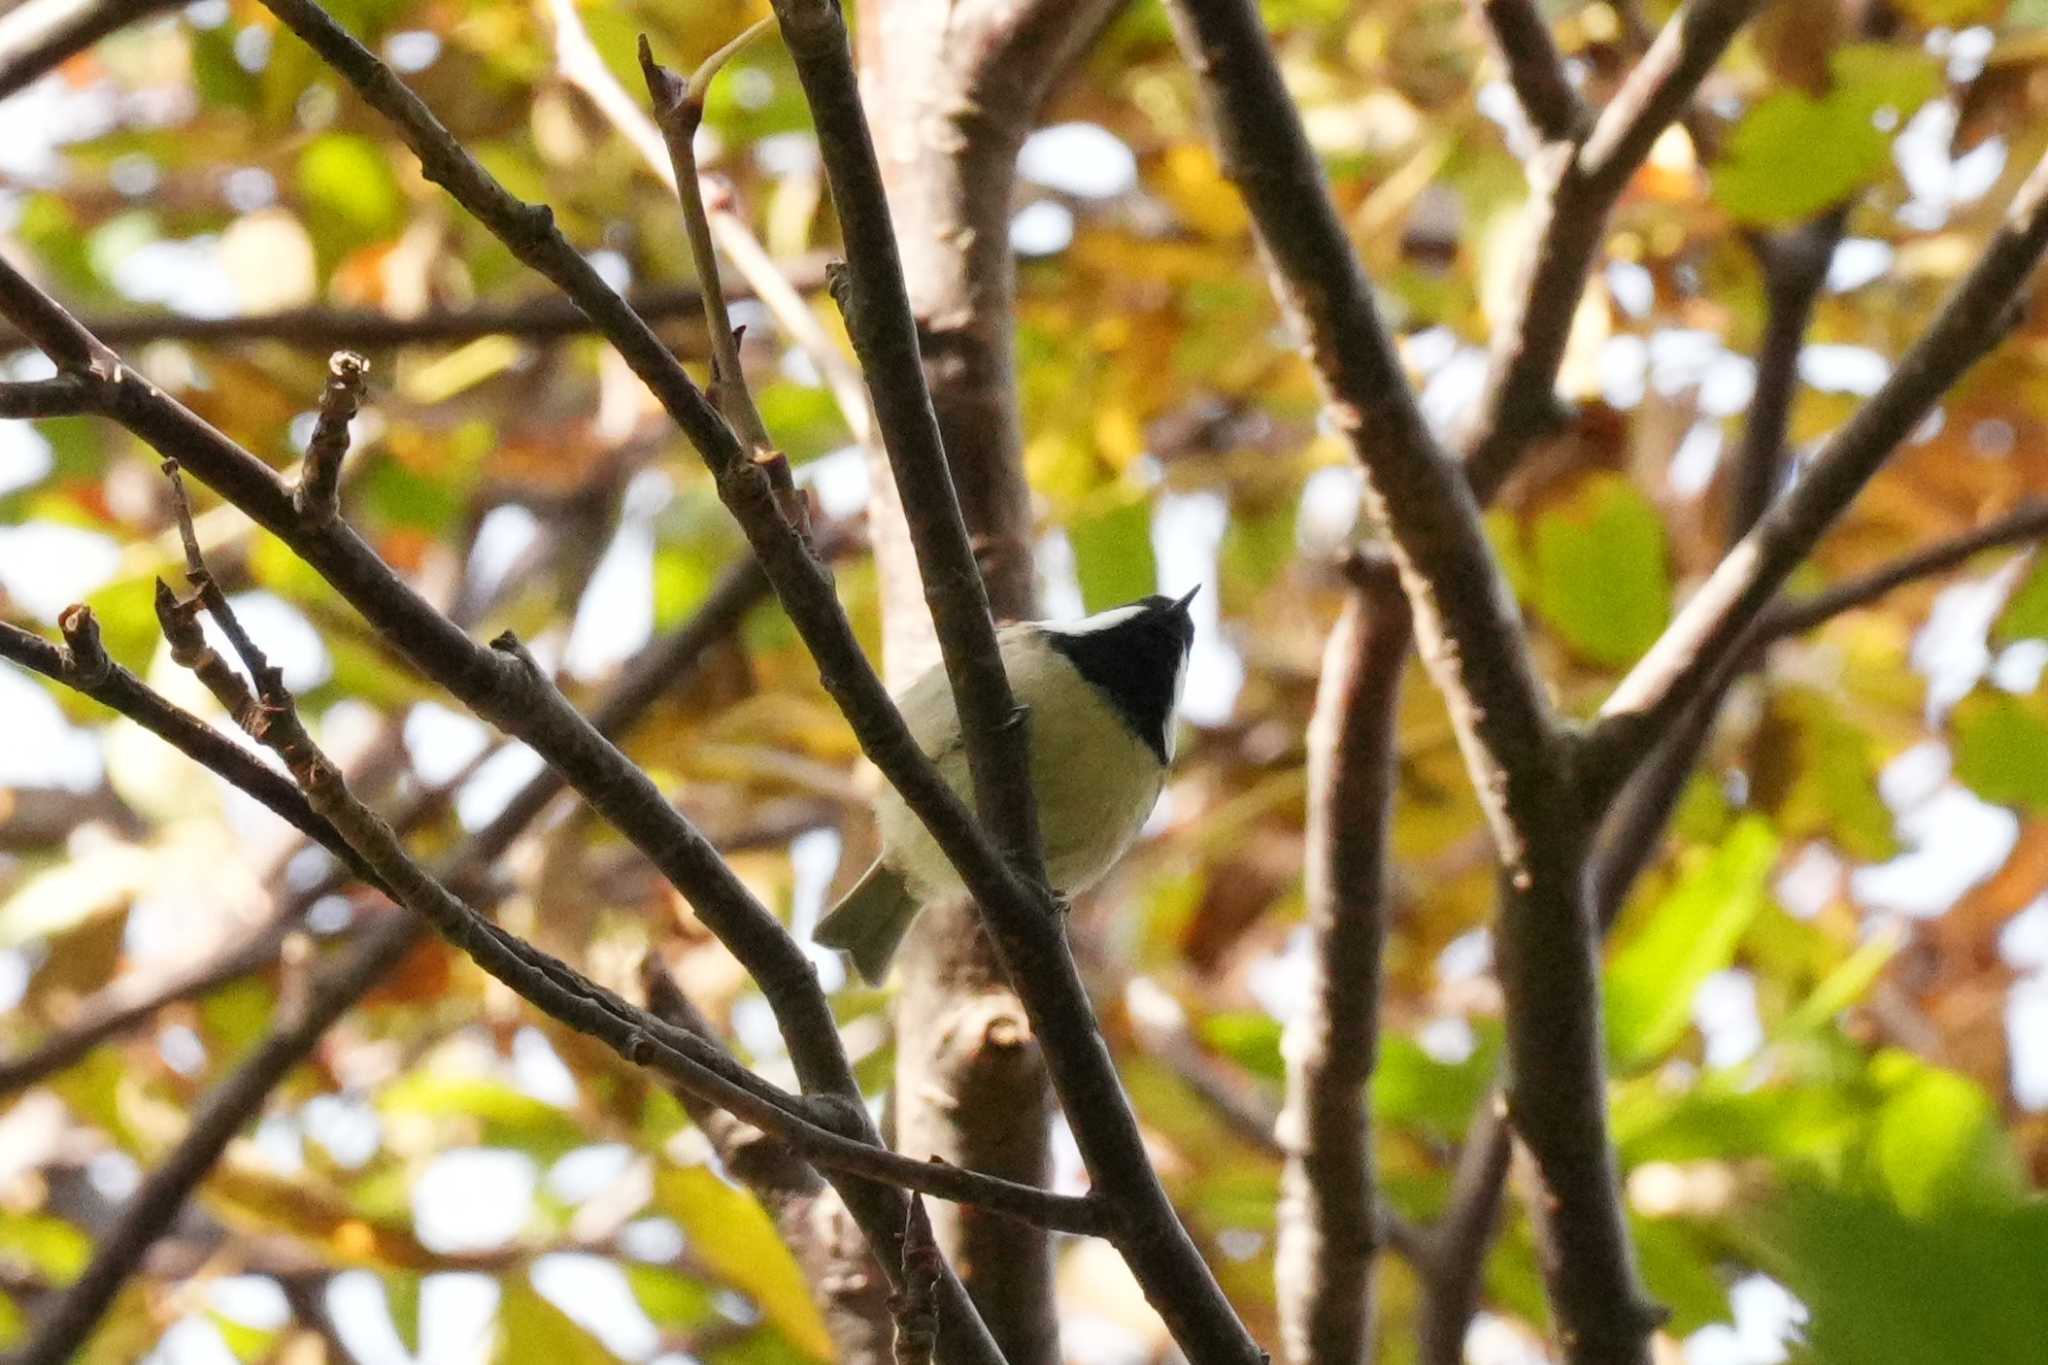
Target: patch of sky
column 1082, row 159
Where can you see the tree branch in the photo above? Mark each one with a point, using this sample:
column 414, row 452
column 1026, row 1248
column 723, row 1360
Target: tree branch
column 1327, row 1236
column 1521, row 35
column 1795, row 267
column 807, row 1213
column 1023, row 921
column 1714, row 624
column 503, row 689
column 952, row 88
column 2024, row 525
column 83, row 665
column 39, row 36
column 542, row 318
column 1574, row 188
column 1456, row 1261
column 226, row 1110
column 870, row 293
column 41, row 398
column 1472, row 647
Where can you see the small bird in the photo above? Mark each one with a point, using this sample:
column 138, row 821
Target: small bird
column 1101, row 693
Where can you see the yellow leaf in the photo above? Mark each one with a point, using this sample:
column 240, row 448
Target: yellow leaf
column 730, row 1234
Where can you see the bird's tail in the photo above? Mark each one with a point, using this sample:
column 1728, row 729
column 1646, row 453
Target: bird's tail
column 870, row 921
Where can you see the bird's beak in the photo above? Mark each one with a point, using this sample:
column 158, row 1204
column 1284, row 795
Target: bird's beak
column 1182, row 605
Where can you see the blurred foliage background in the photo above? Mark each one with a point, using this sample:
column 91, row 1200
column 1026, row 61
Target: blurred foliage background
column 1828, row 1008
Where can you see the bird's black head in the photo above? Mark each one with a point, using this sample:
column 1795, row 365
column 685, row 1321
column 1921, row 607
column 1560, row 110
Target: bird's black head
column 1135, row 655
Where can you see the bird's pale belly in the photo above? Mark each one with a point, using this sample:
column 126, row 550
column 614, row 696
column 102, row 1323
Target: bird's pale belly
column 1104, row 798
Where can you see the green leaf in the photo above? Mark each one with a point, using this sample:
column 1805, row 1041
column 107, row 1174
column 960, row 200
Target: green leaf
column 1938, row 1145
column 2026, row 612
column 731, row 1236
column 1113, row 555
column 1793, row 155
column 1601, row 577
column 803, row 421
column 402, row 1302
column 505, row 1117
column 351, row 190
column 1412, row 1088
column 2001, row 748
column 675, row 1303
column 1887, row 1289
column 532, row 1331
column 1680, row 1267
column 1251, row 1038
column 1723, row 1120
column 1652, row 979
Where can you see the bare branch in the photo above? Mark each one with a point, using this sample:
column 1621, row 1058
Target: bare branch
column 1472, row 647
column 659, row 667
column 952, row 88
column 1575, row 186
column 1795, row 266
column 226, row 1110
column 1322, row 1264
column 779, row 289
column 317, row 495
column 679, row 110
column 1025, row 926
column 1457, row 1244
column 504, row 689
column 544, row 317
column 1535, row 68
column 83, row 666
column 871, row 296
column 2024, row 525
column 58, row 397
column 807, row 1212
column 1713, row 626
column 38, row 36
column 916, row 1304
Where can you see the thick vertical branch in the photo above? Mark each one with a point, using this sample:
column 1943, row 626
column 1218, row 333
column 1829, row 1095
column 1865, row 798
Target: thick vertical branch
column 1322, row 1264
column 1471, row 644
column 951, row 92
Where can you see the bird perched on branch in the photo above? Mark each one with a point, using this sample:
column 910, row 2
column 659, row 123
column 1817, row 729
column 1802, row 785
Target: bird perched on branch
column 1101, row 693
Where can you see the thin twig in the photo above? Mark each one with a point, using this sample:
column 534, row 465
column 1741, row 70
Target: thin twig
column 1574, row 186
column 318, row 493
column 82, row 664
column 1714, row 624
column 870, row 292
column 2024, row 525
column 1327, row 1233
column 38, row 36
column 543, row 317
column 678, row 111
column 1456, row 1256
column 776, row 287
column 915, row 1305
